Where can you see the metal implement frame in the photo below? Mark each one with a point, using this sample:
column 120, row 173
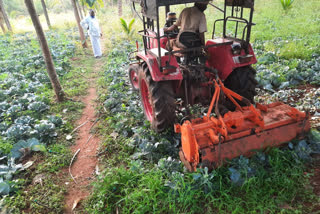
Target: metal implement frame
column 151, row 23
column 237, row 5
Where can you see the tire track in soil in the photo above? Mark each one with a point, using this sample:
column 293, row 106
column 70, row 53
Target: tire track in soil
column 84, row 166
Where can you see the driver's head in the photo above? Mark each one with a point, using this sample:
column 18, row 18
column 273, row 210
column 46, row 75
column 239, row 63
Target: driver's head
column 92, row 14
column 171, row 16
column 202, row 6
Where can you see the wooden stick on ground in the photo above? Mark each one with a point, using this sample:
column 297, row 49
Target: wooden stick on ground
column 74, row 156
column 89, row 139
column 79, row 127
column 94, row 123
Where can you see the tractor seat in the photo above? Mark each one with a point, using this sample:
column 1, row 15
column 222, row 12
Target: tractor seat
column 190, row 39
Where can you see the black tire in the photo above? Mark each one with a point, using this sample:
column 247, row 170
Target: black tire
column 242, row 81
column 134, row 69
column 161, row 100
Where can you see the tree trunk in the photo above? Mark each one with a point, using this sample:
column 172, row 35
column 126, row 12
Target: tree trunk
column 45, row 50
column 46, row 13
column 5, row 16
column 1, row 23
column 105, row 3
column 2, row 27
column 119, row 7
column 76, row 14
column 79, row 9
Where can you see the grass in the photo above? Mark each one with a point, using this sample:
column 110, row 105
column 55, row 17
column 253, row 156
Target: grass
column 23, row 24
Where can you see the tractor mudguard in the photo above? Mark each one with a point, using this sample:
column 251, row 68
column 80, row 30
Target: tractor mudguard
column 172, row 73
column 222, row 58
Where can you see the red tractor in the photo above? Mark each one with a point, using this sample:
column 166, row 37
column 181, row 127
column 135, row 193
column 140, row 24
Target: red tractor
column 218, row 75
column 161, row 79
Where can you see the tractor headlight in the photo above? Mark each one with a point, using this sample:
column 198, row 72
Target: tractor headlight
column 236, row 49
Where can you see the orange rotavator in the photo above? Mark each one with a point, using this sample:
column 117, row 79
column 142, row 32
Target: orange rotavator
column 211, row 140
column 171, row 79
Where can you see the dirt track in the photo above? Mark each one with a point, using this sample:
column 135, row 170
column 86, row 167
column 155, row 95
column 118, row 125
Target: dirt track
column 85, row 164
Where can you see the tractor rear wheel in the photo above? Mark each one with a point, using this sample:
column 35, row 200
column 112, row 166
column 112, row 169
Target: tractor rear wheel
column 133, row 76
column 158, row 101
column 242, row 81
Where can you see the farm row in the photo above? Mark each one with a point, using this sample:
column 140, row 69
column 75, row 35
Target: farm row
column 26, row 124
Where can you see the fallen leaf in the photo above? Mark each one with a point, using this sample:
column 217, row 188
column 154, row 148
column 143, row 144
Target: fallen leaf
column 97, row 170
column 114, row 135
column 286, row 207
column 38, row 179
column 28, row 164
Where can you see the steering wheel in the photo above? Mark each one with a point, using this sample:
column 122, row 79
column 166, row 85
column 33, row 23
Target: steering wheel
column 172, row 34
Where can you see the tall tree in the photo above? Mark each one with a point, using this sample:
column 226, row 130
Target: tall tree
column 79, row 9
column 93, row 4
column 1, row 23
column 45, row 50
column 44, row 6
column 76, row 14
column 119, row 7
column 5, row 16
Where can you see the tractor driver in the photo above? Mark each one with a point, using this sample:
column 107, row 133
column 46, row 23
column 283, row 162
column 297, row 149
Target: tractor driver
column 193, row 25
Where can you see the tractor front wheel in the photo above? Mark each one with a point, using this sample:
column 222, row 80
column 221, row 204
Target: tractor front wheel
column 133, row 76
column 158, row 101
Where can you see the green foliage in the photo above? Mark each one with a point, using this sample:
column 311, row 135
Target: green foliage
column 45, row 198
column 139, row 189
column 57, row 156
column 23, row 147
column 25, row 91
column 5, row 146
column 96, row 4
column 286, row 4
column 127, row 28
column 16, row 7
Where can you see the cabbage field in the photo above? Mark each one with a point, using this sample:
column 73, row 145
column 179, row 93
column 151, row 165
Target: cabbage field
column 46, row 146
column 26, row 124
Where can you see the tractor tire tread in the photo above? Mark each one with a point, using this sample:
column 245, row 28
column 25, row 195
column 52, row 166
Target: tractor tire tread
column 242, row 81
column 163, row 102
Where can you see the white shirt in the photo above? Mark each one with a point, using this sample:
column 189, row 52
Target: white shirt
column 93, row 24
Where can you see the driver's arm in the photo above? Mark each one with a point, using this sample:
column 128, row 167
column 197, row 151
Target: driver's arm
column 175, row 25
column 171, row 28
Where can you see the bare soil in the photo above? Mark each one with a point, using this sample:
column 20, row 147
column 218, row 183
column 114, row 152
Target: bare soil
column 84, row 166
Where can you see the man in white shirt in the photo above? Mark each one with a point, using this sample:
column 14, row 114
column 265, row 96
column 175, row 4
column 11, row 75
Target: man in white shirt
column 191, row 20
column 91, row 24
